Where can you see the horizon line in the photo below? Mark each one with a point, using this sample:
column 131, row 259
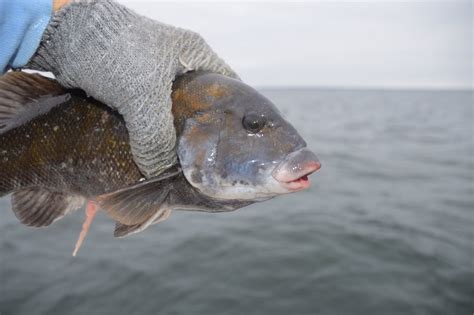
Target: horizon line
column 379, row 88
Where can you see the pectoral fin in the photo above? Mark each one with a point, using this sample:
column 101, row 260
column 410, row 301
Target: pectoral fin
column 40, row 207
column 122, row 230
column 136, row 207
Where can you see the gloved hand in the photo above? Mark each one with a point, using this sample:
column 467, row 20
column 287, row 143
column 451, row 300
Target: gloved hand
column 128, row 62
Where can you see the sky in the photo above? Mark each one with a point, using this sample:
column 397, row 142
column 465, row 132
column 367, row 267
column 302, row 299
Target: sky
column 363, row 44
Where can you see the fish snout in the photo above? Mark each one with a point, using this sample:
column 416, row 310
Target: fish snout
column 293, row 172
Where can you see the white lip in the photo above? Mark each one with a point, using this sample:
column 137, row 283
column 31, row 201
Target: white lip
column 293, row 173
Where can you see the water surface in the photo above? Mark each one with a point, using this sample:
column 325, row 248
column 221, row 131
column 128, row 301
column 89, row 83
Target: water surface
column 386, row 228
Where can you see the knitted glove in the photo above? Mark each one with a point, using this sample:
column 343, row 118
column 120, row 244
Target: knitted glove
column 128, row 62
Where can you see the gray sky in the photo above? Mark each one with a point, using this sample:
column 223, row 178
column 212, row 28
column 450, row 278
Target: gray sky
column 396, row 44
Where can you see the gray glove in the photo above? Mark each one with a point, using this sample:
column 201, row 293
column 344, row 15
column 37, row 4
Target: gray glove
column 128, row 62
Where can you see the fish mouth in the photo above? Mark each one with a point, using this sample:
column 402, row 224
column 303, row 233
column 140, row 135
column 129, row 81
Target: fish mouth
column 293, row 172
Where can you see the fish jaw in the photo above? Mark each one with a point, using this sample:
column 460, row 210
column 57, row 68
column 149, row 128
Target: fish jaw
column 292, row 173
column 276, row 178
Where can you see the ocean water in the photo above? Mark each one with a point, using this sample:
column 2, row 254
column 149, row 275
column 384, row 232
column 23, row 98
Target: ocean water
column 386, row 228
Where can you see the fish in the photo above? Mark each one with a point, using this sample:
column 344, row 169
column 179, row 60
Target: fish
column 61, row 150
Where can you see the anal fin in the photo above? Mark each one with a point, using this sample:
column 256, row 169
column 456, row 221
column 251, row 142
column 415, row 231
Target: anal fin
column 40, row 207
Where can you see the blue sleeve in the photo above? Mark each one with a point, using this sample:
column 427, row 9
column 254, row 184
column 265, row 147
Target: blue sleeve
column 22, row 23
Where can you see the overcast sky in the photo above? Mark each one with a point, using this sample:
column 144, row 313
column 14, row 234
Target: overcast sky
column 396, row 44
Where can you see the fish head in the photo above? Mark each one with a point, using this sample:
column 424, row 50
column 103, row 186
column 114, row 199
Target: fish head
column 234, row 143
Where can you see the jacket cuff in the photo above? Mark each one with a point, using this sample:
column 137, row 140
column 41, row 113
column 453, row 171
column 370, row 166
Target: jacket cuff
column 22, row 27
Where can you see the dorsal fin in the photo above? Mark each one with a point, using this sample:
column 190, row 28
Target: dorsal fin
column 39, row 207
column 23, row 96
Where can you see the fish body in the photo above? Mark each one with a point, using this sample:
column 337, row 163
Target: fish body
column 79, row 146
column 59, row 148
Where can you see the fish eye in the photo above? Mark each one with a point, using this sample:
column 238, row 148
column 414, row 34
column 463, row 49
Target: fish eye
column 254, row 122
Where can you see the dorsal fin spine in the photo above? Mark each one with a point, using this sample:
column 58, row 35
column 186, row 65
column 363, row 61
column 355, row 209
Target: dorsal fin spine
column 23, row 96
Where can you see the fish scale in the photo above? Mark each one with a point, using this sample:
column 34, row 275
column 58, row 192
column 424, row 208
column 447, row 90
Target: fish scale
column 87, row 156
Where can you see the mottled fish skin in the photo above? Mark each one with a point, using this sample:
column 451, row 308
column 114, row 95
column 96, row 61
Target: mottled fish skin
column 80, row 146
